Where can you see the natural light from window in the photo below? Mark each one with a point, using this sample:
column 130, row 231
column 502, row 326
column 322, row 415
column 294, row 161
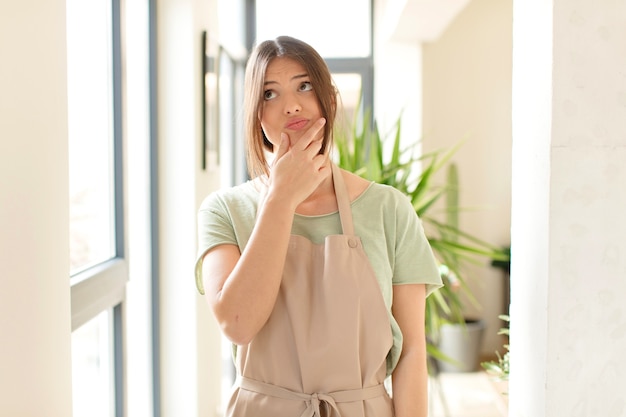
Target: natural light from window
column 92, row 237
column 92, row 370
column 334, row 28
column 90, row 124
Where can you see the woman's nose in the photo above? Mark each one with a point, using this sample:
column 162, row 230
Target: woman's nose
column 292, row 104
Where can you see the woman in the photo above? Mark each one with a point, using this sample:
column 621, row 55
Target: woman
column 300, row 265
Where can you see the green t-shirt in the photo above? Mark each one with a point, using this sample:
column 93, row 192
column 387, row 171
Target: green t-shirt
column 384, row 219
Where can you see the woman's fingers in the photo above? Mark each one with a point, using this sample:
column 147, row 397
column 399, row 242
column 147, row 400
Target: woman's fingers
column 298, row 166
column 283, row 146
column 311, row 136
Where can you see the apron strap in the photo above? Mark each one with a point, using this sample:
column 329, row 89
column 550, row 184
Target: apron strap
column 343, row 201
column 316, row 399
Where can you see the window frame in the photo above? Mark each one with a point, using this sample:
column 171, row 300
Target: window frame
column 362, row 66
column 102, row 287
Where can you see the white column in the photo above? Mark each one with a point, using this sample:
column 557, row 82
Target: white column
column 35, row 359
column 568, row 320
column 190, row 341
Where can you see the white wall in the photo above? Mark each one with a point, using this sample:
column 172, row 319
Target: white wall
column 467, row 97
column 35, row 360
column 397, row 76
column 190, row 341
column 569, row 270
column 138, row 313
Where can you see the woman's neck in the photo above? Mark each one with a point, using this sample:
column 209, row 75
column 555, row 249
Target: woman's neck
column 321, row 201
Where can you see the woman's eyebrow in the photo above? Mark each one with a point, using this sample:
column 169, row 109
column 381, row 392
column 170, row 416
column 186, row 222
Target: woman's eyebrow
column 295, row 77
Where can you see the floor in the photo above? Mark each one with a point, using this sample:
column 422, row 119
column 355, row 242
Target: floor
column 469, row 394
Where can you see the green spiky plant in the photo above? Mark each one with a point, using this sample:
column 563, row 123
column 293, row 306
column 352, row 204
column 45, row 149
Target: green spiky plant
column 363, row 152
column 500, row 368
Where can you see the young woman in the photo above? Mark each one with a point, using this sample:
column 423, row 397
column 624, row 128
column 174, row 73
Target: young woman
column 317, row 276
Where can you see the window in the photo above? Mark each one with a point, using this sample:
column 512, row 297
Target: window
column 232, row 156
column 92, row 369
column 351, row 87
column 319, row 25
column 90, row 106
column 97, row 264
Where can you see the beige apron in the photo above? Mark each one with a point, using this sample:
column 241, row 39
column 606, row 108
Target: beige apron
column 323, row 350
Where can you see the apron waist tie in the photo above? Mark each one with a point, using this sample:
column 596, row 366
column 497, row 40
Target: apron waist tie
column 313, row 400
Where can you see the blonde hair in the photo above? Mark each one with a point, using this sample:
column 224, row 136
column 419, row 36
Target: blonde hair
column 319, row 75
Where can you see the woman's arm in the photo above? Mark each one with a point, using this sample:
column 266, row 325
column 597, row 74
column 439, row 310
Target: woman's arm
column 410, row 377
column 241, row 289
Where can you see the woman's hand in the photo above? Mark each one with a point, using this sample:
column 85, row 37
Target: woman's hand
column 299, row 168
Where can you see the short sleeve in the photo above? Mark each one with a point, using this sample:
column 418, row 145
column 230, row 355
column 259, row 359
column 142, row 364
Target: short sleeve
column 214, row 228
column 414, row 261
column 225, row 217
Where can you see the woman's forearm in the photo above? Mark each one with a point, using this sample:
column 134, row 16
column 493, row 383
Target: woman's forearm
column 410, row 378
column 410, row 385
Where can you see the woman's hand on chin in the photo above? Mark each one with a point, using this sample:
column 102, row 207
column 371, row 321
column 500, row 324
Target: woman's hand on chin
column 298, row 168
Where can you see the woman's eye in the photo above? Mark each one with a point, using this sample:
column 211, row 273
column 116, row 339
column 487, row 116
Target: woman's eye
column 269, row 94
column 306, row 86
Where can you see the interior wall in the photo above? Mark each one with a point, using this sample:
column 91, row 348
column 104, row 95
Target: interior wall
column 467, row 97
column 530, row 214
column 138, row 305
column 190, row 341
column 568, row 327
column 35, row 359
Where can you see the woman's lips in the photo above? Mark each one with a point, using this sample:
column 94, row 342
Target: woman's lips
column 296, row 124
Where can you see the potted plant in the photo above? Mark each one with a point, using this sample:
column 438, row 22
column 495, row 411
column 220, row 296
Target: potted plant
column 459, row 338
column 363, row 153
column 499, row 368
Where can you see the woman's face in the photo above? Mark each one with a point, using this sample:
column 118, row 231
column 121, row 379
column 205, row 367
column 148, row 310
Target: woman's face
column 289, row 102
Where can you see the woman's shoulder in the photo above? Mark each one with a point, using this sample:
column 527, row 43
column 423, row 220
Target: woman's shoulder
column 355, row 185
column 388, row 192
column 245, row 194
column 363, row 189
column 372, row 196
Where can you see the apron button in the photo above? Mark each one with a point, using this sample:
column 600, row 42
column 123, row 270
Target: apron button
column 352, row 243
